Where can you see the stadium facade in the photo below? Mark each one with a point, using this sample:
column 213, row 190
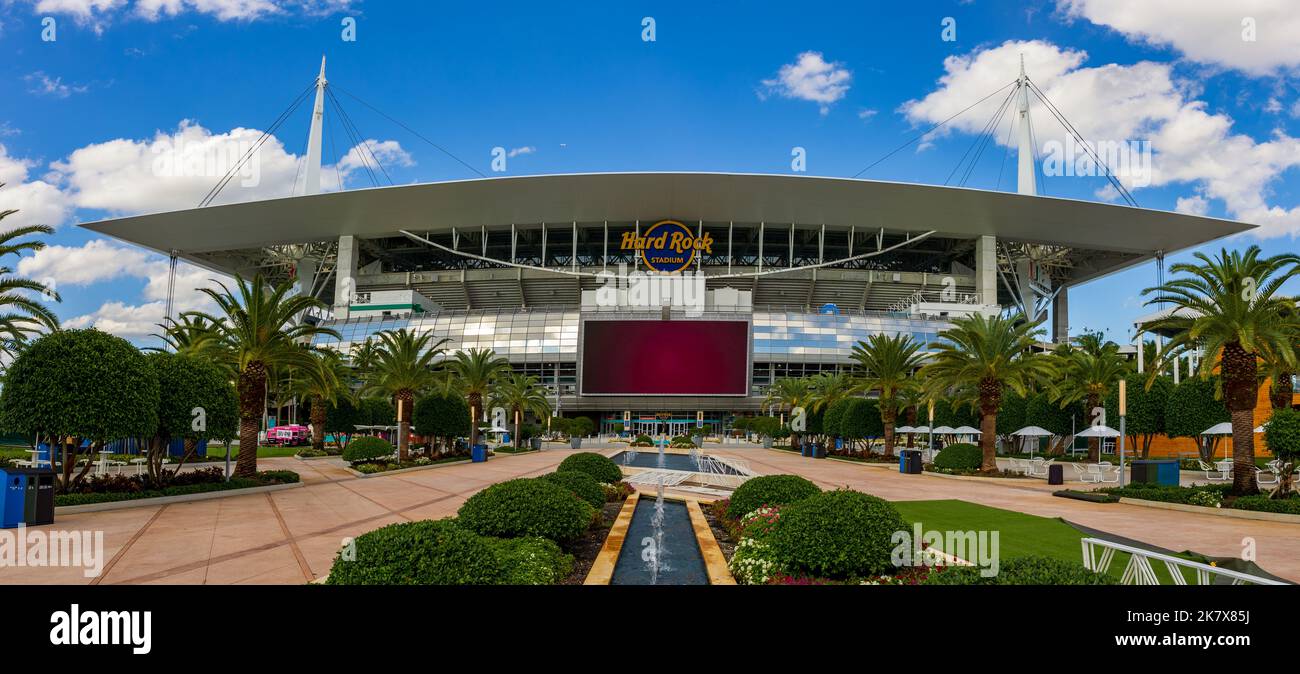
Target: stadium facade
column 763, row 276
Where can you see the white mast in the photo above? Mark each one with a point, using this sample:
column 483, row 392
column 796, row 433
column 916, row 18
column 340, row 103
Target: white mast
column 1025, row 183
column 311, row 177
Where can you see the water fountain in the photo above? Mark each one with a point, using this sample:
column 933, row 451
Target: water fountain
column 653, row 550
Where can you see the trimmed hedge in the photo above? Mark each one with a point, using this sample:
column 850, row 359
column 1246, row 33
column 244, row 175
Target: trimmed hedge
column 838, row 534
column 582, row 485
column 368, row 448
column 1030, row 570
column 769, row 490
column 526, row 507
column 531, row 561
column 419, row 553
column 264, row 479
column 1167, row 494
column 959, row 457
column 1269, row 505
column 600, row 467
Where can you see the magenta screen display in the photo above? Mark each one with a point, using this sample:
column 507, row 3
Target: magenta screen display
column 665, row 357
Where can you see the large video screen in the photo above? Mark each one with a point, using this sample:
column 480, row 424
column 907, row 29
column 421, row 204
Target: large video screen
column 665, row 357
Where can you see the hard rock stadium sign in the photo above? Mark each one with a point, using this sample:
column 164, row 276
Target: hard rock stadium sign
column 668, row 246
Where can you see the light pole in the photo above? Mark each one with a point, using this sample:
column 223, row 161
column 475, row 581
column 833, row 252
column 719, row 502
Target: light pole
column 1123, row 412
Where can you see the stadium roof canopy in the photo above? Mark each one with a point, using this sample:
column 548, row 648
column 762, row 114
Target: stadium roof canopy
column 1105, row 237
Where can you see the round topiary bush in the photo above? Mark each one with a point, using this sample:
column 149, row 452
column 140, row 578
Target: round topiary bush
column 769, row 490
column 526, row 507
column 367, row 449
column 837, row 534
column 600, row 467
column 418, row 553
column 582, row 485
column 960, row 457
column 1031, row 570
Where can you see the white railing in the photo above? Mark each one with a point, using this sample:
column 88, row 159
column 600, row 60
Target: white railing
column 1098, row 556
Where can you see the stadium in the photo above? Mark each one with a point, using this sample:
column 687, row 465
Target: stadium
column 762, row 276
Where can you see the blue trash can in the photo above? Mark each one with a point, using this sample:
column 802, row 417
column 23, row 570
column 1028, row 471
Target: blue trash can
column 13, row 500
column 478, row 454
column 1163, row 472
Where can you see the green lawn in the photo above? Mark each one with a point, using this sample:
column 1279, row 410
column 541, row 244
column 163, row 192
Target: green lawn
column 1019, row 534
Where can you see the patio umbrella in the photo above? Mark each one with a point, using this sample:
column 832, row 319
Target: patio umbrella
column 966, row 430
column 1224, row 428
column 921, row 429
column 904, row 429
column 943, row 430
column 1098, row 432
column 1033, row 432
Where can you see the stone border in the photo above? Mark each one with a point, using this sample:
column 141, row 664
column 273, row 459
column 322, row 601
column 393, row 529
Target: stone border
column 715, row 563
column 399, row 471
column 167, row 500
column 602, row 569
column 1260, row 515
column 318, row 458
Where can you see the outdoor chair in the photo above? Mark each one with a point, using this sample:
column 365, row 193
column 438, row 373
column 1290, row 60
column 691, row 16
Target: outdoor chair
column 1039, row 467
column 1083, row 475
column 1270, row 477
column 1216, row 473
column 1103, row 471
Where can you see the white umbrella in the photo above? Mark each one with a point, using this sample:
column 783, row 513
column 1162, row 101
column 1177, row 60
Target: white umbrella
column 943, row 430
column 966, row 430
column 921, row 429
column 1224, row 428
column 1098, row 432
column 904, row 429
column 1033, row 432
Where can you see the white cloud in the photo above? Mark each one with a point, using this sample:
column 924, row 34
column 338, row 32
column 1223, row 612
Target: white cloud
column 516, row 151
column 173, row 171
column 1137, row 102
column 38, row 202
column 100, row 260
column 866, row 114
column 44, row 85
column 387, row 152
column 810, row 78
column 1193, row 205
column 98, row 13
column 1206, row 31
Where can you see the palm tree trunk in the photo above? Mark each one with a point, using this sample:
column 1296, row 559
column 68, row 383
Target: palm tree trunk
column 518, row 415
column 889, row 415
column 474, row 401
column 252, row 406
column 990, row 397
column 1240, row 387
column 317, row 423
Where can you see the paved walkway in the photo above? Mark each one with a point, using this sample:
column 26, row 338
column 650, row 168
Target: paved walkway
column 1277, row 543
column 283, row 537
column 292, row 536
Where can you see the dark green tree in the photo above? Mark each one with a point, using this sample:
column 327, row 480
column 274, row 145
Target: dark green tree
column 196, row 402
column 442, row 419
column 83, row 386
column 1146, row 410
column 1282, row 436
column 1194, row 406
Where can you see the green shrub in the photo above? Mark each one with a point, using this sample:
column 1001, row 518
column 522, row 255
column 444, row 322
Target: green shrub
column 602, row 468
column 836, row 534
column 643, row 440
column 1170, row 494
column 1263, row 503
column 582, row 485
column 769, row 490
column 531, row 561
column 1032, row 570
column 367, row 449
column 526, row 507
column 419, row 553
column 959, row 457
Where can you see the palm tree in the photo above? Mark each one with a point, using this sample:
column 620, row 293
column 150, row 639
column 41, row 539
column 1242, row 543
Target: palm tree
column 788, row 393
column 1087, row 372
column 259, row 330
column 521, row 394
column 473, row 372
column 323, row 382
column 20, row 313
column 190, row 336
column 888, row 364
column 362, row 357
column 1228, row 309
column 986, row 355
column 404, row 366
column 829, row 388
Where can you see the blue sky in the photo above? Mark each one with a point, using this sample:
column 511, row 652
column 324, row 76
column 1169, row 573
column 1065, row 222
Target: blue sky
column 723, row 87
